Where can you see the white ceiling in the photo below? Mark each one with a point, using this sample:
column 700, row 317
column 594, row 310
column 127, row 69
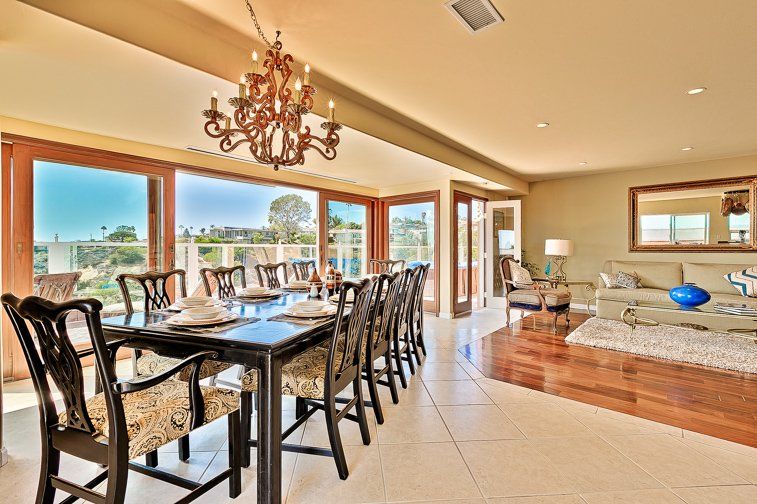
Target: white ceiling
column 59, row 73
column 610, row 76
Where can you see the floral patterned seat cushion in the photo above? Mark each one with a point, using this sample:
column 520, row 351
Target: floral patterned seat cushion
column 152, row 363
column 160, row 414
column 304, row 376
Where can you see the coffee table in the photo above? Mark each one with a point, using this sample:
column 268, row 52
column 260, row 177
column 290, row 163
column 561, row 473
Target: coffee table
column 630, row 317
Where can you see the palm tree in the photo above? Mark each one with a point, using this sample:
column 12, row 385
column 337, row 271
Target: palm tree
column 104, row 228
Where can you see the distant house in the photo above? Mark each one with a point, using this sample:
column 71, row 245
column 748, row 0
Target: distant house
column 245, row 234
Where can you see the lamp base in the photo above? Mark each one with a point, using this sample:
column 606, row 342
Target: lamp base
column 560, row 274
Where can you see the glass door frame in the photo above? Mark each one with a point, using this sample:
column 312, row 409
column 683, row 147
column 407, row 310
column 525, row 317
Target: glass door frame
column 383, row 234
column 18, row 217
column 461, row 308
column 491, row 254
column 323, row 232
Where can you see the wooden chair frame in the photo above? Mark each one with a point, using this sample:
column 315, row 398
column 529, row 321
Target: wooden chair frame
column 224, row 280
column 268, row 274
column 386, row 265
column 302, row 269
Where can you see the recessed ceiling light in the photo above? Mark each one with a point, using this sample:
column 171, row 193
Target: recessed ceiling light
column 542, row 125
column 583, row 163
column 687, row 148
column 696, row 90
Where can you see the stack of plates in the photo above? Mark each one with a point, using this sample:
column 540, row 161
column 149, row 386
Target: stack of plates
column 311, row 309
column 258, row 292
column 202, row 316
column 298, row 285
column 196, row 302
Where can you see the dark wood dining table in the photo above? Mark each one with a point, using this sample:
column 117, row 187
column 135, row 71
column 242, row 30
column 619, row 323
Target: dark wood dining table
column 265, row 345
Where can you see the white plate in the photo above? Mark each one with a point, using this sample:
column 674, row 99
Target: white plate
column 335, row 298
column 266, row 294
column 181, row 306
column 183, row 320
column 319, row 314
column 303, row 286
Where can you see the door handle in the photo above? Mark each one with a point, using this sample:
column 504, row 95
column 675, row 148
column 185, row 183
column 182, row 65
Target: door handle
column 19, row 248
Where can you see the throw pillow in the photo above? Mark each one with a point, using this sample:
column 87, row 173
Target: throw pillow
column 621, row 280
column 520, row 275
column 744, row 281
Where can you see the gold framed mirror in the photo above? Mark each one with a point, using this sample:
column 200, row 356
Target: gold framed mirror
column 700, row 216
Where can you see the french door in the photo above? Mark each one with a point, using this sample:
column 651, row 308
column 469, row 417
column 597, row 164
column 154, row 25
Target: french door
column 503, row 232
column 345, row 228
column 462, row 244
column 79, row 218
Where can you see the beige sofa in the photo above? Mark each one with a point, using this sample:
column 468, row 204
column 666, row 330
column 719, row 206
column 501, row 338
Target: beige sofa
column 658, row 277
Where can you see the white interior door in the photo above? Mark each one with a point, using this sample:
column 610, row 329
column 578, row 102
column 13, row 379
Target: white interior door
column 503, row 237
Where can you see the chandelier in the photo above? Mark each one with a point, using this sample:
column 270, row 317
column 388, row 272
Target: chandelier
column 267, row 115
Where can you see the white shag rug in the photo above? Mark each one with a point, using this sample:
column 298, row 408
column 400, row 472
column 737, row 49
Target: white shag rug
column 669, row 342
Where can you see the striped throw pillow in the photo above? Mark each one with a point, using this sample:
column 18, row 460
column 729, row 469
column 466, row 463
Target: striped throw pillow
column 744, row 281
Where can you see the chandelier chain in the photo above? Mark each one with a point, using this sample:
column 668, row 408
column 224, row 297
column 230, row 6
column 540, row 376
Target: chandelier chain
column 257, row 25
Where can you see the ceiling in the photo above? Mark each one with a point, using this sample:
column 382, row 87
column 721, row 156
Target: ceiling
column 609, row 76
column 66, row 75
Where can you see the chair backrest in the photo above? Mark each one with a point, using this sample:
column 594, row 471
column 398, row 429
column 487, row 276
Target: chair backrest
column 343, row 363
column 268, row 274
column 383, row 311
column 405, row 301
column 386, row 265
column 504, row 270
column 153, row 284
column 302, row 268
column 56, row 286
column 418, row 290
column 55, row 355
column 224, row 279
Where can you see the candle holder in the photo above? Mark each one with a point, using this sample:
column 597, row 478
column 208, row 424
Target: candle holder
column 331, row 126
column 298, row 108
column 240, row 103
column 213, row 115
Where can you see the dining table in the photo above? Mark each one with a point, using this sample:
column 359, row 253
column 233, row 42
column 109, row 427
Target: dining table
column 264, row 344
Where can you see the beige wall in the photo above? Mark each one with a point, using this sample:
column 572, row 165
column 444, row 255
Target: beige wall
column 593, row 211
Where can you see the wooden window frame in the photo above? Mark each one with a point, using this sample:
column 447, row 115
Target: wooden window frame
column 323, row 233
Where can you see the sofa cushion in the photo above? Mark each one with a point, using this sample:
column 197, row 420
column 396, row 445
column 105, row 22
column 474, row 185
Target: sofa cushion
column 644, row 295
column 711, row 277
column 653, row 275
column 553, row 297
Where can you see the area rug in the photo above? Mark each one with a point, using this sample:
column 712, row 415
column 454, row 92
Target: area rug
column 669, row 342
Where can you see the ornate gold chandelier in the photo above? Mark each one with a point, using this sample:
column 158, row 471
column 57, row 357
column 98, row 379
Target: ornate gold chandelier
column 268, row 113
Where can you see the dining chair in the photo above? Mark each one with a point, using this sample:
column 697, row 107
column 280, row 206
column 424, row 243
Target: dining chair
column 157, row 297
column 382, row 320
column 268, row 274
column 129, row 418
column 302, row 269
column 223, row 278
column 56, row 286
column 318, row 374
column 401, row 349
column 386, row 265
column 415, row 318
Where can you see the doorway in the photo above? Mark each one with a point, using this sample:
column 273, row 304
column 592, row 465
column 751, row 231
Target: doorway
column 503, row 230
column 468, row 248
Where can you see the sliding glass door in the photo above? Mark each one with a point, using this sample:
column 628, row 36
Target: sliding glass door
column 462, row 245
column 346, row 234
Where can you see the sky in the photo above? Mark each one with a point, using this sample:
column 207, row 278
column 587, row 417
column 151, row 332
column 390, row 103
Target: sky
column 75, row 202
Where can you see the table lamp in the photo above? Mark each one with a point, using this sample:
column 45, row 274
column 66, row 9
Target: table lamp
column 558, row 250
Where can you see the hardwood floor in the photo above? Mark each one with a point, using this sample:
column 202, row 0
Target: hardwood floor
column 706, row 400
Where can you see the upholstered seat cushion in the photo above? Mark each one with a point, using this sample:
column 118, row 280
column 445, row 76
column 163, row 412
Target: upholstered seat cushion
column 303, row 376
column 553, row 297
column 160, row 414
column 643, row 295
column 152, row 363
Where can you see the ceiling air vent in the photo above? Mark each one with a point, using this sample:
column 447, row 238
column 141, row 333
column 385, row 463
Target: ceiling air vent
column 475, row 15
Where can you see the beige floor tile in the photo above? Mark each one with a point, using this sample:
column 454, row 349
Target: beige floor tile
column 720, row 443
column 672, row 462
column 414, row 395
column 478, row 422
column 568, row 405
column 444, row 355
column 315, row 433
column 503, row 393
column 744, row 466
column 655, row 496
column 650, row 424
column 513, row 468
column 426, row 471
column 472, row 370
column 249, row 478
column 544, row 420
column 412, row 424
column 442, row 371
column 317, row 478
column 592, row 465
column 539, row 499
column 604, row 425
column 719, row 494
column 451, row 393
column 455, row 501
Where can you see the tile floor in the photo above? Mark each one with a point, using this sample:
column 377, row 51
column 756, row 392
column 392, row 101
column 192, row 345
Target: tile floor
column 456, row 437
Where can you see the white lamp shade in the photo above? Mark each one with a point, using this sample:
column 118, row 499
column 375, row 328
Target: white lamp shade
column 557, row 247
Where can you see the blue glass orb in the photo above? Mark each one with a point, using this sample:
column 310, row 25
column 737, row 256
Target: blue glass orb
column 689, row 295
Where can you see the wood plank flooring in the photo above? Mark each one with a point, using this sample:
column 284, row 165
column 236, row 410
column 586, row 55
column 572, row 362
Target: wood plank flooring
column 697, row 398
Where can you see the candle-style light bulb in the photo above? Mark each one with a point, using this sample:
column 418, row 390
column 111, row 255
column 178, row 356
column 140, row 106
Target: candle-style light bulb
column 254, row 61
column 297, row 90
column 331, row 111
column 242, row 87
column 214, row 101
column 307, row 74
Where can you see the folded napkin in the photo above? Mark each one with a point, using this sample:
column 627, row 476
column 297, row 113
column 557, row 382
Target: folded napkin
column 222, row 327
column 281, row 317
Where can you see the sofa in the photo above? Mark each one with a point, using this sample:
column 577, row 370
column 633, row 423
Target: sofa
column 657, row 278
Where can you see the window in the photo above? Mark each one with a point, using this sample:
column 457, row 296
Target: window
column 738, row 227
column 221, row 222
column 675, row 228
